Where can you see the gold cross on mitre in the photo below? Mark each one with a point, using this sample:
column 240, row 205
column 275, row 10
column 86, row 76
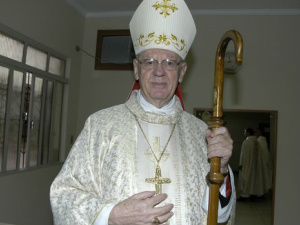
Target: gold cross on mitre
column 158, row 180
column 164, row 7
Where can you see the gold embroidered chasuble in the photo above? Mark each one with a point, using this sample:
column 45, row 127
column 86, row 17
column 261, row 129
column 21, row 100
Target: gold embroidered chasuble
column 111, row 159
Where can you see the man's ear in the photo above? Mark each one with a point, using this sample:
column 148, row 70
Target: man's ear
column 136, row 69
column 182, row 71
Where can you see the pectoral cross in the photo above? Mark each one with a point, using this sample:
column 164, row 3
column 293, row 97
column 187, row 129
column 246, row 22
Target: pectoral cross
column 158, row 180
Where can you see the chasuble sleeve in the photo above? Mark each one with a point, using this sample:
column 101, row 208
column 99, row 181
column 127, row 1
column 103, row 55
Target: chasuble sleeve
column 225, row 211
column 76, row 193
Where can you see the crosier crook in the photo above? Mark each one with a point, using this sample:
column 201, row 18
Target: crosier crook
column 214, row 176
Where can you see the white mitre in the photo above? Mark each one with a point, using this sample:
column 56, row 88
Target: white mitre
column 163, row 24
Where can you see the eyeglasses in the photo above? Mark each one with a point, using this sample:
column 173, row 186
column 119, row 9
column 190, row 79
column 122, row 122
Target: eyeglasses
column 167, row 64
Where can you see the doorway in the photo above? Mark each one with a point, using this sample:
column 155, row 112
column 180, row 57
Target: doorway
column 236, row 122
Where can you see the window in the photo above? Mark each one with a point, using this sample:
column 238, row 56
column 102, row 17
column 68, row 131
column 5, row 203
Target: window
column 32, row 88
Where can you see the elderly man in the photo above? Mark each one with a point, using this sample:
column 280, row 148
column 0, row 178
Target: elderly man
column 146, row 161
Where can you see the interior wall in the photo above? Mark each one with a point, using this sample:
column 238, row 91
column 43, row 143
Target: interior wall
column 105, row 87
column 25, row 196
column 268, row 80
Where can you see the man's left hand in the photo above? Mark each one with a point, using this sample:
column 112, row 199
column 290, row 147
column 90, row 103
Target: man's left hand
column 219, row 144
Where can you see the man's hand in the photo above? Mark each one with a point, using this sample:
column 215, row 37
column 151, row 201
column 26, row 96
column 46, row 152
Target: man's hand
column 140, row 209
column 220, row 144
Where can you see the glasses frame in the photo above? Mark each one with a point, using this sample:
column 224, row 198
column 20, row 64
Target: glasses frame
column 159, row 62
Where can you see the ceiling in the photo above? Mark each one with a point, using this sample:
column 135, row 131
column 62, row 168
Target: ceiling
column 103, row 8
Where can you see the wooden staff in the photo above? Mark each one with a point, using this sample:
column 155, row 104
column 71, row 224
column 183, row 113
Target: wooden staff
column 214, row 176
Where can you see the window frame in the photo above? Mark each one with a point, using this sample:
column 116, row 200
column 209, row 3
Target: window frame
column 14, row 65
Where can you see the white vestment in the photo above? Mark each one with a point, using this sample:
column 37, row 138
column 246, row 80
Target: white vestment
column 248, row 166
column 111, row 159
column 264, row 167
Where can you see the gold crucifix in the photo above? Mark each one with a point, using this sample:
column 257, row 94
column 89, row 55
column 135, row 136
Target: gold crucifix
column 158, row 180
column 164, row 7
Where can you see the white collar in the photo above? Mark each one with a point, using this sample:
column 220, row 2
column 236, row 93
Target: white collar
column 148, row 107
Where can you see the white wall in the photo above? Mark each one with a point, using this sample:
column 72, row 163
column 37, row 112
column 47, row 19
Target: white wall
column 105, row 88
column 269, row 80
column 24, row 197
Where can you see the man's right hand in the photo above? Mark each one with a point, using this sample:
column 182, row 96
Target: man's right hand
column 140, row 209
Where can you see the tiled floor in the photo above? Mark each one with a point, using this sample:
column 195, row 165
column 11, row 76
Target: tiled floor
column 257, row 212
column 254, row 212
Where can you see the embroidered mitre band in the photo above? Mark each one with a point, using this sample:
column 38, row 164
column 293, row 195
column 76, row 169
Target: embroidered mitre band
column 163, row 24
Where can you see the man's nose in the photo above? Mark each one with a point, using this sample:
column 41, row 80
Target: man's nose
column 159, row 70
